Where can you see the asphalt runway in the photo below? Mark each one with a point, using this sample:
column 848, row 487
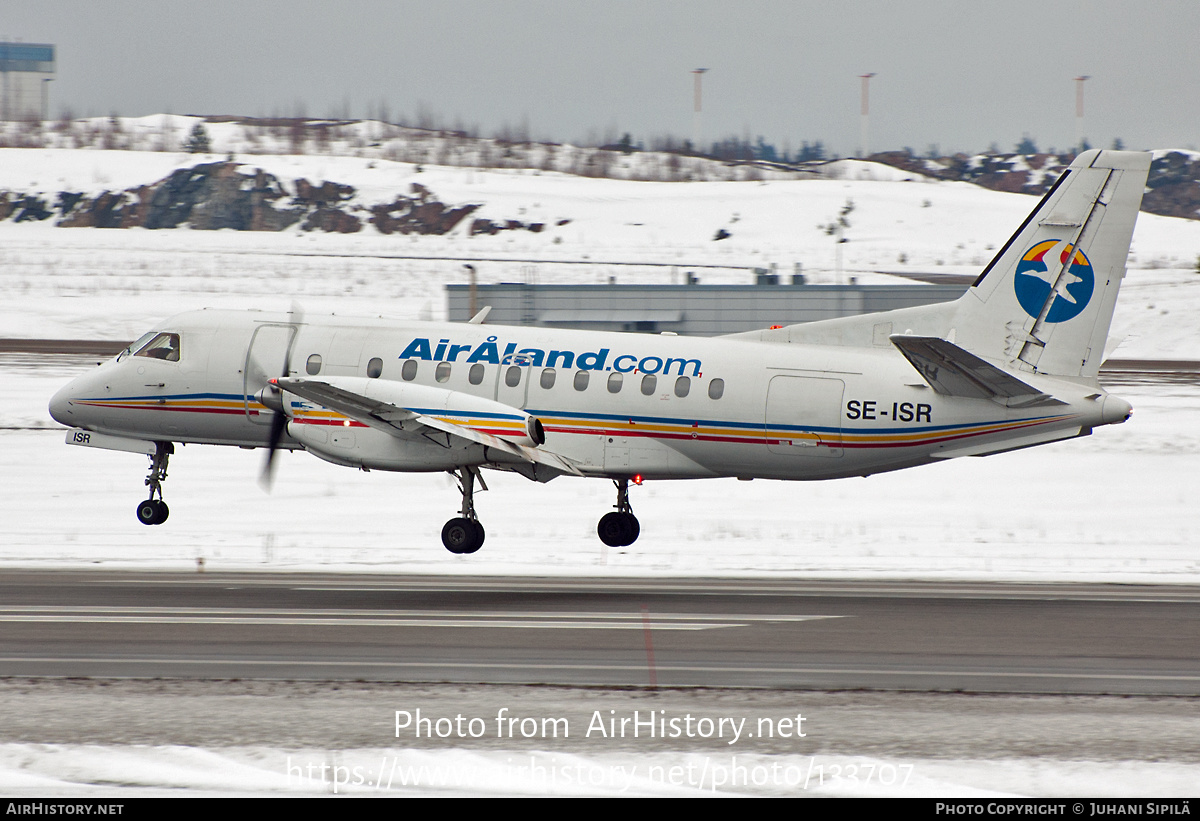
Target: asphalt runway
column 789, row 635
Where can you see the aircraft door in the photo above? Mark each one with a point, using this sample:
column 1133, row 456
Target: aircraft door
column 265, row 357
column 345, row 353
column 804, row 416
column 512, row 381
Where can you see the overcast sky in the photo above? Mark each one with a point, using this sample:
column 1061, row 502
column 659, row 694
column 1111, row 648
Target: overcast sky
column 961, row 75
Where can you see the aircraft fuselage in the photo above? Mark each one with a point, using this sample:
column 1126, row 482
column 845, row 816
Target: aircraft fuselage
column 616, row 404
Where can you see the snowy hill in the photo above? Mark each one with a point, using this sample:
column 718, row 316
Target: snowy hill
column 372, row 139
column 516, row 224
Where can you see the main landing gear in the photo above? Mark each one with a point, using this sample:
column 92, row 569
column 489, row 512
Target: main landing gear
column 154, row 511
column 465, row 534
column 619, row 528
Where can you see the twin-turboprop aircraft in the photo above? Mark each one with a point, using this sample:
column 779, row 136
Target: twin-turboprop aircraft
column 1011, row 364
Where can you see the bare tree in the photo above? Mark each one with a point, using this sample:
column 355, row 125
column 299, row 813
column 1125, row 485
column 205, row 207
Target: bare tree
column 298, row 130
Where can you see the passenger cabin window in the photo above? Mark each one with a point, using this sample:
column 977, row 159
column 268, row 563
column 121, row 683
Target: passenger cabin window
column 162, row 346
column 614, row 382
column 649, row 384
column 548, row 375
column 409, row 372
column 682, row 385
column 313, row 366
column 475, row 375
column 581, row 380
column 512, row 376
column 716, row 389
column 375, row 367
column 442, row 372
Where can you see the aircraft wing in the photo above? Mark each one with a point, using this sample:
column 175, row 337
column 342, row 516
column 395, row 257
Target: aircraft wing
column 404, row 423
column 953, row 371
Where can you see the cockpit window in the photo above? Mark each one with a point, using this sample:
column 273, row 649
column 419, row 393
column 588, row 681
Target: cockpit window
column 162, row 346
column 136, row 346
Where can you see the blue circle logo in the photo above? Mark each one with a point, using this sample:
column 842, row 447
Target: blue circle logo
column 1033, row 280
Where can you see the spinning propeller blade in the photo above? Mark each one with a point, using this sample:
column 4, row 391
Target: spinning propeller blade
column 280, row 419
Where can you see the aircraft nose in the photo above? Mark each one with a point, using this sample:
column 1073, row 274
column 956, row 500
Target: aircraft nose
column 60, row 406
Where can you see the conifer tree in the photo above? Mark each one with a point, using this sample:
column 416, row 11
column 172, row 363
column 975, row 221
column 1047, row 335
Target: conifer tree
column 198, row 141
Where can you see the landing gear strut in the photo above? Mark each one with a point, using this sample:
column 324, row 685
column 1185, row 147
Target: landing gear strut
column 465, row 534
column 619, row 528
column 154, row 511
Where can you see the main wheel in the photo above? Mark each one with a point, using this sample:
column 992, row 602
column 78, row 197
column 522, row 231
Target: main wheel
column 147, row 512
column 479, row 536
column 618, row 529
column 615, row 529
column 153, row 512
column 635, row 529
column 462, row 535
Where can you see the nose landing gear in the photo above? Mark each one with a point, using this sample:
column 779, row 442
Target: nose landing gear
column 155, row 511
column 465, row 534
column 619, row 528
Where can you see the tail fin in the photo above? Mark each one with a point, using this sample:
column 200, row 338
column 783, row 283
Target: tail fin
column 1045, row 303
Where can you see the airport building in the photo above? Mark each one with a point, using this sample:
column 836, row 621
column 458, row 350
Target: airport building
column 692, row 309
column 26, row 70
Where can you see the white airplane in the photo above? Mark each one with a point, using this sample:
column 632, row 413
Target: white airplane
column 1011, row 364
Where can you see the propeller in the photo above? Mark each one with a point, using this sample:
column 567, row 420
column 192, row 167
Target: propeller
column 272, row 397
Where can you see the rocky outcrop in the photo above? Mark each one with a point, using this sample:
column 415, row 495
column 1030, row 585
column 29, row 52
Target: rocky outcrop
column 22, row 207
column 418, row 214
column 332, row 220
column 485, row 226
column 1173, row 188
column 206, row 197
column 210, row 196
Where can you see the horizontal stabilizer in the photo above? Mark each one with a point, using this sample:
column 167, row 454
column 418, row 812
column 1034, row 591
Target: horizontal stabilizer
column 952, row 371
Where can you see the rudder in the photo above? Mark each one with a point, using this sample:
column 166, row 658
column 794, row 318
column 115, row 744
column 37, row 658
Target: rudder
column 1045, row 303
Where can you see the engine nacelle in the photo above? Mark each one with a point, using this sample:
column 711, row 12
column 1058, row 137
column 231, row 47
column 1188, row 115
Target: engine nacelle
column 359, row 446
column 339, row 440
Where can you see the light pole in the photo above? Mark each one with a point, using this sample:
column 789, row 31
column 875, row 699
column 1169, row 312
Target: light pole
column 866, row 113
column 1079, row 81
column 46, row 97
column 473, row 301
column 697, row 73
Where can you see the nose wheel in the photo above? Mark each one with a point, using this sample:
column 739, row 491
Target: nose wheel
column 154, row 511
column 465, row 534
column 620, row 527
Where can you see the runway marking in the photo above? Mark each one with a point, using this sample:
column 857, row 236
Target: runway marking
column 539, row 620
column 971, row 590
column 638, row 668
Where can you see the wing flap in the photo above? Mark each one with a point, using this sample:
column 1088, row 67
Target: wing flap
column 409, row 424
column 348, row 403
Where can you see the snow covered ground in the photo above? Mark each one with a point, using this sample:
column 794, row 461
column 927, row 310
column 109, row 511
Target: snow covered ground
column 83, row 282
column 1116, row 507
column 185, row 771
column 173, row 737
